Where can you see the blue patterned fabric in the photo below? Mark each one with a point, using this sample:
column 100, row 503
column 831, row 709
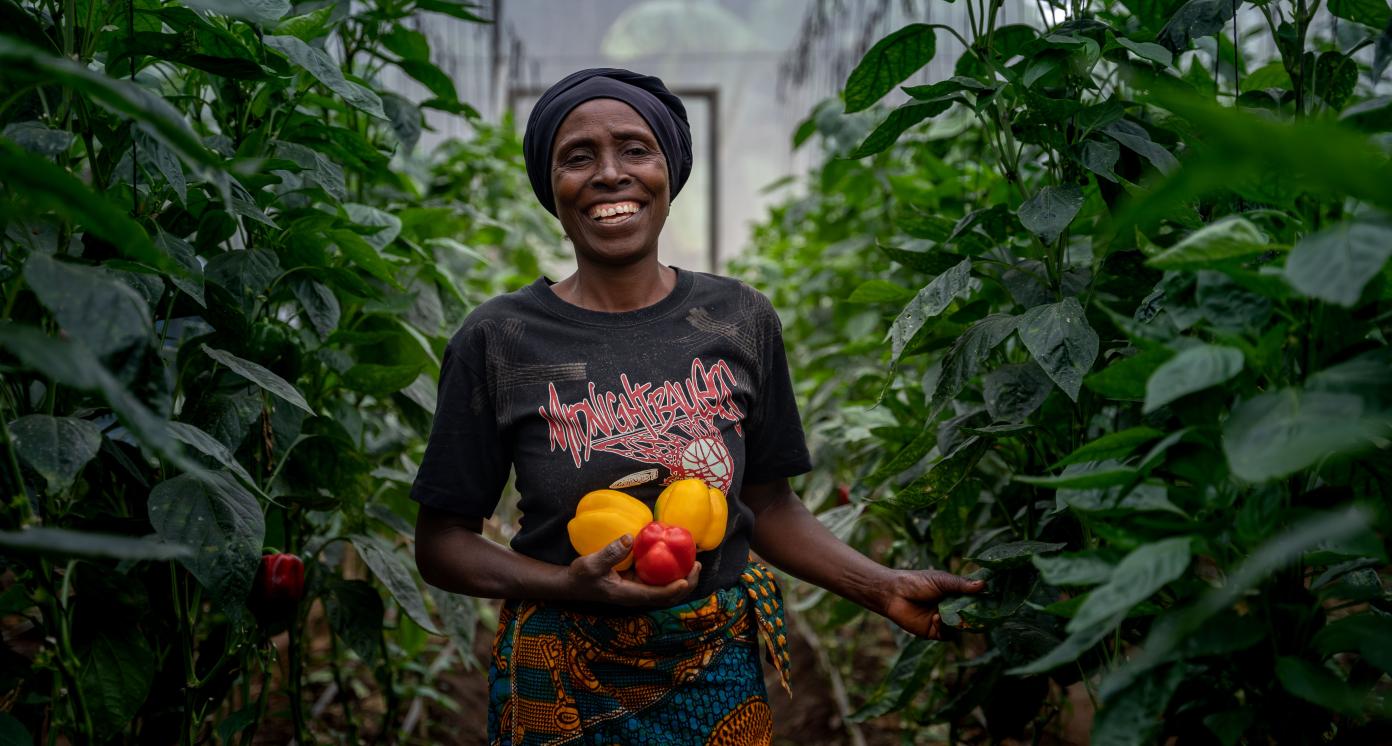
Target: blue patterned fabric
column 689, row 674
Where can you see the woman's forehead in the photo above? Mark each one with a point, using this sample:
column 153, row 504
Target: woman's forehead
column 607, row 113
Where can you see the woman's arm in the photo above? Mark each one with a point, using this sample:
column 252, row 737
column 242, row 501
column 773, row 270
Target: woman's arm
column 789, row 536
column 452, row 554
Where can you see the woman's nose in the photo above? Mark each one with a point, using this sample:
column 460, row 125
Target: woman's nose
column 610, row 170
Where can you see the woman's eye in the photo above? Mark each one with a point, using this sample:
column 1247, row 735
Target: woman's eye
column 637, row 151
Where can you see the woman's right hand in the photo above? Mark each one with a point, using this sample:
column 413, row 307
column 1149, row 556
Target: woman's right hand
column 594, row 578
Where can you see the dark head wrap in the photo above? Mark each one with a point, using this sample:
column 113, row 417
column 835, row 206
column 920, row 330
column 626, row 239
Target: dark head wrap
column 659, row 107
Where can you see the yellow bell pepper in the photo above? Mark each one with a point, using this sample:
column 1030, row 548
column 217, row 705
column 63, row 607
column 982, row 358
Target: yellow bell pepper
column 603, row 516
column 694, row 506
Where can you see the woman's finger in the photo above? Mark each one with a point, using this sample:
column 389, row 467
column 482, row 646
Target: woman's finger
column 613, row 554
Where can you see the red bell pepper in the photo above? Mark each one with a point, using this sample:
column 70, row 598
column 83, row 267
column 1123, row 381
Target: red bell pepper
column 663, row 553
column 282, row 578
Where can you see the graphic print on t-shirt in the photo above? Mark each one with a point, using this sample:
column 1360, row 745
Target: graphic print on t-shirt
column 670, row 424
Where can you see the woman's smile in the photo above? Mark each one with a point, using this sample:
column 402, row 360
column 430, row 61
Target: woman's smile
column 615, row 213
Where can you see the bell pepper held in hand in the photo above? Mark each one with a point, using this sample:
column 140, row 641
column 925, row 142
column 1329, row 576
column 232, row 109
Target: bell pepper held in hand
column 700, row 509
column 282, row 578
column 603, row 516
column 663, row 553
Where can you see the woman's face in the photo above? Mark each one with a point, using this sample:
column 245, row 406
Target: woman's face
column 610, row 182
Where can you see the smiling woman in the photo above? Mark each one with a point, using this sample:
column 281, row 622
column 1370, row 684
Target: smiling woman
column 630, row 374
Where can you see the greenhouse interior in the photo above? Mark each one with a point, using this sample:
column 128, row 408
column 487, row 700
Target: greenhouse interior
column 806, row 372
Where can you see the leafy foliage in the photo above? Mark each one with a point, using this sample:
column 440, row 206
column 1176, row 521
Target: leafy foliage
column 227, row 283
column 1136, row 370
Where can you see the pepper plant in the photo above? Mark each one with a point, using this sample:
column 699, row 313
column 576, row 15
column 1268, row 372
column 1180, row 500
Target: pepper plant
column 1104, row 318
column 227, row 281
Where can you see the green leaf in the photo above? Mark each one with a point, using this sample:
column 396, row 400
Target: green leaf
column 246, row 275
column 212, row 447
column 1073, row 569
column 105, row 314
column 897, row 123
column 1120, row 499
column 1061, row 341
column 116, row 673
column 259, row 376
column 1369, row 634
column 73, row 365
column 1069, row 650
column 1173, row 629
column 1136, row 139
column 1013, row 392
column 1100, row 157
column 907, row 456
column 890, row 62
column 38, row 138
column 1195, row 20
column 1317, row 684
column 1050, row 211
column 62, row 542
column 1229, row 238
column 56, row 447
column 263, row 12
column 381, row 380
column 1141, row 574
column 964, row 359
column 1148, row 50
column 326, row 71
column 933, row 260
column 364, row 255
column 1194, row 369
column 389, row 568
column 1280, row 433
column 405, row 119
column 929, row 302
column 1133, row 716
column 1014, row 554
column 1374, row 114
column 906, row 676
column 1334, row 264
column 120, row 96
column 879, row 291
column 12, row 732
column 190, row 281
column 355, row 613
column 408, row 44
column 1111, row 446
column 1336, row 75
column 53, row 188
column 320, row 305
column 387, row 226
column 309, row 26
column 1126, row 378
column 222, row 522
column 461, row 9
column 435, row 80
column 1091, row 475
column 1372, row 13
column 1364, row 376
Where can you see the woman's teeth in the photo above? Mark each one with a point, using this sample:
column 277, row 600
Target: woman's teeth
column 616, row 213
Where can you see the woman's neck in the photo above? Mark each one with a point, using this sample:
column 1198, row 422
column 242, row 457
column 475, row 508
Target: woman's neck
column 615, row 289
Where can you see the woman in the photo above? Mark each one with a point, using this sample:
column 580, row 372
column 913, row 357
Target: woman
column 629, row 374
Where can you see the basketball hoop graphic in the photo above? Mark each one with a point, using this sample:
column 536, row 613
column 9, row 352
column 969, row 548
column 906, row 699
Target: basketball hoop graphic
column 692, row 449
column 670, row 424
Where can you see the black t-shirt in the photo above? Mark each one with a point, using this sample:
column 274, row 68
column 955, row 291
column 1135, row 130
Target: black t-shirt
column 695, row 385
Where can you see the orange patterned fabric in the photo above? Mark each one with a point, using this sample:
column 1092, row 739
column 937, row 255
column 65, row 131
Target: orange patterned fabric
column 689, row 674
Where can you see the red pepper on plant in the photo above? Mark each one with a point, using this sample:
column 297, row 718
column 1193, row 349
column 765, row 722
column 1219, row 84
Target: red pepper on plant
column 281, row 578
column 663, row 553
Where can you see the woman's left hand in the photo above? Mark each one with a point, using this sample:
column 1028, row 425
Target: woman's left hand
column 911, row 598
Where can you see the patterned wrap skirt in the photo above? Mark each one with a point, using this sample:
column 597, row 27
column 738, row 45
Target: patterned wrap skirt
column 689, row 674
